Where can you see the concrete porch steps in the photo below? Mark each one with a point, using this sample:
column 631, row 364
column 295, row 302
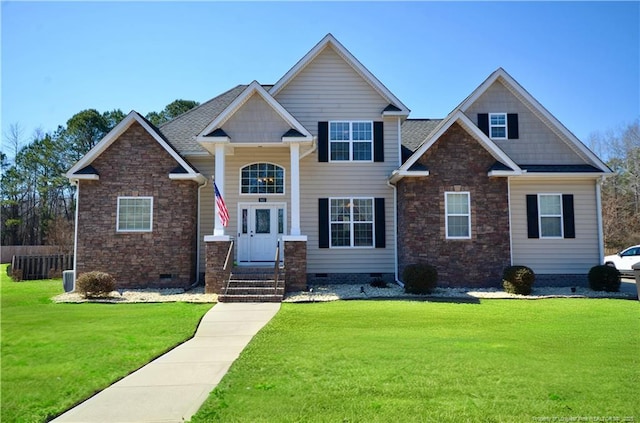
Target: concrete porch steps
column 253, row 284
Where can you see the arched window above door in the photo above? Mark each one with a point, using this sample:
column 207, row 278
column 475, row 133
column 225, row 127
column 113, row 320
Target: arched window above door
column 262, row 178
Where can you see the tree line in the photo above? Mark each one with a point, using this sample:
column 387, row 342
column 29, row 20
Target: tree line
column 620, row 191
column 37, row 203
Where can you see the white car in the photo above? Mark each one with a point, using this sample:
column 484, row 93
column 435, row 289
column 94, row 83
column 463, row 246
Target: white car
column 624, row 259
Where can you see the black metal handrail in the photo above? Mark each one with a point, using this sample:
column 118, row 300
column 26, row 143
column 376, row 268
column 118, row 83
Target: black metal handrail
column 226, row 265
column 276, row 268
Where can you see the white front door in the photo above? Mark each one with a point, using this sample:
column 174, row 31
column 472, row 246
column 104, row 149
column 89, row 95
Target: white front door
column 261, row 225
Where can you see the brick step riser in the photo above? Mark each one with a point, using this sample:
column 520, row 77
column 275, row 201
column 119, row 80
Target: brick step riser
column 250, row 298
column 255, row 291
column 257, row 284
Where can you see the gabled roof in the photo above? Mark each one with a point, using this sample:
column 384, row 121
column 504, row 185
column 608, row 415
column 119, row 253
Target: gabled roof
column 249, row 91
column 407, row 168
column 554, row 124
column 330, row 41
column 83, row 169
column 182, row 130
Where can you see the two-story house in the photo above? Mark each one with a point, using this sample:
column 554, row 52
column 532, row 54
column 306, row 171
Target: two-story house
column 326, row 165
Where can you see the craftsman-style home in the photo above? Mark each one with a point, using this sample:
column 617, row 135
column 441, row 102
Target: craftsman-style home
column 325, row 179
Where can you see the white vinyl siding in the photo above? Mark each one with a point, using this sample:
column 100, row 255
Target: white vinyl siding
column 328, row 89
column 556, row 255
column 255, row 122
column 536, row 143
column 134, row 214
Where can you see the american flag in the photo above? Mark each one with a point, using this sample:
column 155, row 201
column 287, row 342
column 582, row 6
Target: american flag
column 222, row 208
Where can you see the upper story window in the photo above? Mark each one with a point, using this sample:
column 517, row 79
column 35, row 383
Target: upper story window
column 498, row 125
column 262, row 178
column 135, row 214
column 352, row 222
column 550, row 215
column 351, row 141
column 458, row 215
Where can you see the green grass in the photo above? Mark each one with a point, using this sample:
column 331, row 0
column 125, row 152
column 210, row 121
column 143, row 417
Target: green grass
column 402, row 361
column 55, row 355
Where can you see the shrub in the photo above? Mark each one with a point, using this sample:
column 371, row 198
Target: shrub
column 604, row 278
column 95, row 284
column 420, row 278
column 518, row 280
column 379, row 283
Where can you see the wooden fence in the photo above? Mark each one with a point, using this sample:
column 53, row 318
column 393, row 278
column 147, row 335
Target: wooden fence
column 8, row 251
column 40, row 267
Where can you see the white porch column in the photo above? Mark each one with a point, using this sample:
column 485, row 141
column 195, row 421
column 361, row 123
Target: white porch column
column 218, row 229
column 295, row 188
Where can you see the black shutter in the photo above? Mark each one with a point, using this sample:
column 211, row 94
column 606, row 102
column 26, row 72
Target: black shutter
column 323, row 222
column 512, row 126
column 323, row 141
column 568, row 219
column 378, row 141
column 532, row 216
column 380, row 241
column 483, row 122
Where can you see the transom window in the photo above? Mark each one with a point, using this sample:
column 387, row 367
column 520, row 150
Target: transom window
column 498, row 125
column 550, row 215
column 262, row 178
column 351, row 141
column 458, row 215
column 351, row 221
column 135, row 214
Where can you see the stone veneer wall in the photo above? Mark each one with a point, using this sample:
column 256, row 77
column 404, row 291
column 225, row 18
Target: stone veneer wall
column 456, row 162
column 295, row 265
column 136, row 165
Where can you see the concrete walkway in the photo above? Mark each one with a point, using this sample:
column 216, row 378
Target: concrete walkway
column 174, row 386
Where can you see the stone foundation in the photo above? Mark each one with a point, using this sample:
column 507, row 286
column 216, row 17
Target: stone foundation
column 216, row 276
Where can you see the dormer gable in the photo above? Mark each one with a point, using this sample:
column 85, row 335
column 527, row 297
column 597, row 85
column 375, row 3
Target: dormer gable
column 85, row 171
column 269, row 122
column 514, row 120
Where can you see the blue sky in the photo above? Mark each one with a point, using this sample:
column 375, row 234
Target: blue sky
column 579, row 59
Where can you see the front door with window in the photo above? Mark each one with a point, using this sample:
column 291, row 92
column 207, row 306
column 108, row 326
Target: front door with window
column 261, row 226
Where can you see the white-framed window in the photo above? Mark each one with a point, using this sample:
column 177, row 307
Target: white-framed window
column 351, row 221
column 457, row 215
column 135, row 214
column 498, row 125
column 262, row 178
column 550, row 215
column 351, row 141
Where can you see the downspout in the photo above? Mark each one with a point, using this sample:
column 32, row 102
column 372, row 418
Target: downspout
column 510, row 225
column 206, row 182
column 395, row 208
column 395, row 233
column 75, row 235
column 599, row 217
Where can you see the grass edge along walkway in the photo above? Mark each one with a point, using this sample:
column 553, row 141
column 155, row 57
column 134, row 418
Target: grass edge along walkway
column 57, row 355
column 381, row 361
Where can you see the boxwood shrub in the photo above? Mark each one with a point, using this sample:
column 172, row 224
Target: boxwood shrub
column 604, row 278
column 518, row 280
column 95, row 284
column 420, row 278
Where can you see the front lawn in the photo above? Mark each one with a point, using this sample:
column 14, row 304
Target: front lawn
column 55, row 355
column 403, row 361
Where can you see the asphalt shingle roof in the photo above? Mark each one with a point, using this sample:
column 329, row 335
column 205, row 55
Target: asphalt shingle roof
column 181, row 131
column 414, row 132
